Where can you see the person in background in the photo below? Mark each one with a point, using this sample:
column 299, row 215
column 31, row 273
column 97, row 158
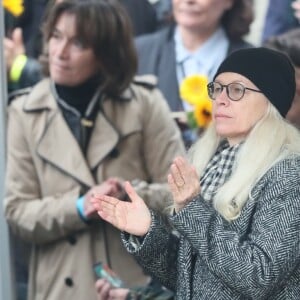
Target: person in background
column 296, row 7
column 142, row 15
column 201, row 36
column 22, row 44
column 22, row 57
column 234, row 235
column 163, row 10
column 281, row 16
column 23, row 71
column 289, row 43
column 86, row 128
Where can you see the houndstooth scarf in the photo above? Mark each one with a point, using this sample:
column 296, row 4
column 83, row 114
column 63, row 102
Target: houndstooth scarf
column 218, row 170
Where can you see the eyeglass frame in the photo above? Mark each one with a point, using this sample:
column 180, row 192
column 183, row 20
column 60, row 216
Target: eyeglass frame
column 227, row 89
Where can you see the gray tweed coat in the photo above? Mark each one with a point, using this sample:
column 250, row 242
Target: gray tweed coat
column 257, row 256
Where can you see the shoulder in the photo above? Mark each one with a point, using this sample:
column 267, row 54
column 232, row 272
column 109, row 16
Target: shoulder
column 154, row 38
column 146, row 93
column 18, row 94
column 287, row 167
column 34, row 98
column 148, row 82
column 239, row 44
column 284, row 173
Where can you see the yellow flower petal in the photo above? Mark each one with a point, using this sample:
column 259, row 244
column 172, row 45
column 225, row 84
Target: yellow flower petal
column 203, row 112
column 15, row 7
column 193, row 89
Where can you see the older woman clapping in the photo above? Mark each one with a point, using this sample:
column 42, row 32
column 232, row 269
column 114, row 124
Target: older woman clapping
column 236, row 234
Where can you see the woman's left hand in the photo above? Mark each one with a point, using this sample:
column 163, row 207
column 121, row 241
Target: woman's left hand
column 184, row 182
column 131, row 216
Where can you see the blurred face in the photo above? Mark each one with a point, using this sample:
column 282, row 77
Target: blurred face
column 235, row 119
column 200, row 14
column 293, row 114
column 70, row 63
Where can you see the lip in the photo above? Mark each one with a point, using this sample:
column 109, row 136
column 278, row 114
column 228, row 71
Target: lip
column 221, row 116
column 189, row 11
column 59, row 66
column 192, row 9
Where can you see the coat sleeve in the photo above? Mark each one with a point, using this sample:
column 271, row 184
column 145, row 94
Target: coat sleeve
column 34, row 218
column 256, row 263
column 161, row 144
column 157, row 253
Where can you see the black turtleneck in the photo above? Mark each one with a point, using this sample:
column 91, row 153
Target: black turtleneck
column 78, row 96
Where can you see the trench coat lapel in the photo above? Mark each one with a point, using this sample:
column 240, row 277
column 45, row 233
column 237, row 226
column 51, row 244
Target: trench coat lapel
column 103, row 140
column 58, row 147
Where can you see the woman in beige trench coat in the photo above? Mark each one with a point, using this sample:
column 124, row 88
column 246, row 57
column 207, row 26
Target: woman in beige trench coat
column 86, row 128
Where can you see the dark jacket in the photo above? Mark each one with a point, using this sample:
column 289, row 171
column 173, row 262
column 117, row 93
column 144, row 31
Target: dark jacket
column 256, row 256
column 279, row 19
column 142, row 15
column 156, row 55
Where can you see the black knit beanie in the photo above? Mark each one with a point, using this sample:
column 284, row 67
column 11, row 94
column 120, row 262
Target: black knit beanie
column 271, row 71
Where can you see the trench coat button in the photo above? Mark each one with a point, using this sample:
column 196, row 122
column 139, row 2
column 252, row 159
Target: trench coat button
column 69, row 281
column 114, row 153
column 72, row 239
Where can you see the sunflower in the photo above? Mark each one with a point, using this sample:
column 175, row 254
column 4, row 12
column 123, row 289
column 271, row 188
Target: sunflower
column 193, row 90
column 15, row 7
column 202, row 113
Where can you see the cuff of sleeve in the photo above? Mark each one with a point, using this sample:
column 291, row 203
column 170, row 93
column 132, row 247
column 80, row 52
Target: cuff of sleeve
column 80, row 208
column 17, row 68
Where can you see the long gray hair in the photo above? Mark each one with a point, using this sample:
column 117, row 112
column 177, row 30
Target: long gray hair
column 271, row 139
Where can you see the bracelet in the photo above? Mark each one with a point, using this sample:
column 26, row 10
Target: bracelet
column 17, row 67
column 80, row 208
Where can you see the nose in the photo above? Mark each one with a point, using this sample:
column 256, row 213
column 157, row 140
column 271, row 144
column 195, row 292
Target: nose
column 62, row 49
column 222, row 98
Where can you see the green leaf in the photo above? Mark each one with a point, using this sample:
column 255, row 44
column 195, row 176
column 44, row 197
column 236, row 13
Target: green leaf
column 191, row 119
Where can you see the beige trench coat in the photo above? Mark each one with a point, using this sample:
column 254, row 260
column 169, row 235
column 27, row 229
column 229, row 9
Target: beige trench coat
column 46, row 169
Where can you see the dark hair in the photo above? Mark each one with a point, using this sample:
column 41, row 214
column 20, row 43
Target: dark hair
column 105, row 27
column 288, row 43
column 237, row 20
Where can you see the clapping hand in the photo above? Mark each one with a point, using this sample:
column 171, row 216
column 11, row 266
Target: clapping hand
column 133, row 217
column 184, row 182
column 112, row 187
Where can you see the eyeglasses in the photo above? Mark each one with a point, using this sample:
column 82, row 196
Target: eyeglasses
column 235, row 91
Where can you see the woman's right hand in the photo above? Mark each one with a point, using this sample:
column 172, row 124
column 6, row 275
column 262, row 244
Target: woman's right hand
column 105, row 188
column 133, row 217
column 183, row 182
column 13, row 47
column 106, row 292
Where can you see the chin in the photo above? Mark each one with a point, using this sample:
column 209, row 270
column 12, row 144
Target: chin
column 223, row 131
column 63, row 82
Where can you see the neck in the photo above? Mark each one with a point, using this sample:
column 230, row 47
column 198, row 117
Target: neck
column 78, row 96
column 193, row 39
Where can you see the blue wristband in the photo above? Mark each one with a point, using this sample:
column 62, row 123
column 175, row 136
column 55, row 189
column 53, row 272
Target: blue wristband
column 80, row 208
